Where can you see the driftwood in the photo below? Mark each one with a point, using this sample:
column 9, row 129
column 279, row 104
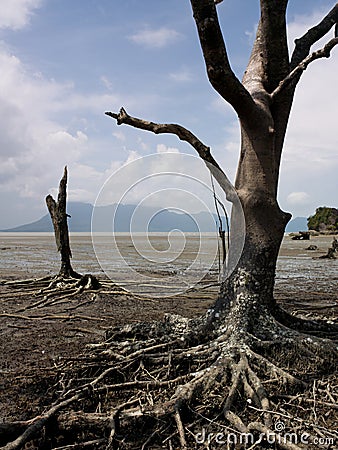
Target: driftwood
column 329, row 255
column 331, row 250
column 301, row 236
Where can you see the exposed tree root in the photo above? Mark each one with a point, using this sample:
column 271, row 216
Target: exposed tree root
column 330, row 329
column 166, row 385
column 50, row 290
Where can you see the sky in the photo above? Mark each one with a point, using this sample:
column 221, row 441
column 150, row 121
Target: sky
column 63, row 63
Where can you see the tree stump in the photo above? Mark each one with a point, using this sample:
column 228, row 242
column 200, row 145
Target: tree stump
column 58, row 214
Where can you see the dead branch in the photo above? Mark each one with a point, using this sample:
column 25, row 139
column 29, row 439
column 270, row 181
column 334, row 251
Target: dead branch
column 38, row 423
column 183, row 134
column 282, row 444
column 221, row 231
column 311, row 400
column 70, row 420
column 302, row 66
column 34, row 281
column 180, row 428
column 304, row 44
column 81, row 445
column 53, row 291
column 158, row 381
column 13, row 429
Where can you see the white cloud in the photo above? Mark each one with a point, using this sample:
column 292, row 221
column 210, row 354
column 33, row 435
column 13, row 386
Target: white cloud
column 182, row 76
column 161, row 148
column 16, row 14
column 251, row 34
column 34, row 146
column 310, row 158
column 95, row 103
column 167, row 179
column 106, row 82
column 119, row 135
column 141, row 144
column 155, row 38
column 298, row 198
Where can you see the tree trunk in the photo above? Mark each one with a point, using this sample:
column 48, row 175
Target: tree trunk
column 246, row 295
column 57, row 211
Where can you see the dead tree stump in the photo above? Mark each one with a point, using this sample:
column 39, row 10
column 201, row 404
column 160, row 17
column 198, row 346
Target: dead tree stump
column 58, row 214
column 331, row 250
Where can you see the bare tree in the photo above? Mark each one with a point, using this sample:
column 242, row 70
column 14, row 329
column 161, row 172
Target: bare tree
column 262, row 102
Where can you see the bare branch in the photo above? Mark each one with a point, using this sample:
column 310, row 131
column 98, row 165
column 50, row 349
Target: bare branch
column 39, row 423
column 302, row 66
column 184, row 135
column 220, row 74
column 180, row 428
column 304, row 44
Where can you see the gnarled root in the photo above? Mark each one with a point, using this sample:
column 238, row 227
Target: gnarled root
column 50, row 290
column 324, row 328
column 168, row 385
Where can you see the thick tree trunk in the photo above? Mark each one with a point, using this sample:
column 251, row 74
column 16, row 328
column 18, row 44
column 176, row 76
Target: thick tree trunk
column 248, row 291
column 57, row 211
column 246, row 295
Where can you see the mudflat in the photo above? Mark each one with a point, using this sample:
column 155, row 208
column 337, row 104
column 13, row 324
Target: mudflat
column 34, row 338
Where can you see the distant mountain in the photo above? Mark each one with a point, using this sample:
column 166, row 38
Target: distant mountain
column 296, row 224
column 79, row 221
column 123, row 218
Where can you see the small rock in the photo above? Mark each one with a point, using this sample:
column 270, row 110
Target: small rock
column 312, row 247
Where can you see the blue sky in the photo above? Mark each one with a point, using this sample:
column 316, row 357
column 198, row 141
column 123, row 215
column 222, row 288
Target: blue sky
column 64, row 62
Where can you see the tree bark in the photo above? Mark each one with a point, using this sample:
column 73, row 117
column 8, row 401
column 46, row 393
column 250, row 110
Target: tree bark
column 58, row 214
column 246, row 296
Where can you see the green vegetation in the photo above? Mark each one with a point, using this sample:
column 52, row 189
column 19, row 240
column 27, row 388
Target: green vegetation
column 325, row 219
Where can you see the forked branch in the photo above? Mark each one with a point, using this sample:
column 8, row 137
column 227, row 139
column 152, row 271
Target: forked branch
column 304, row 44
column 219, row 71
column 295, row 74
